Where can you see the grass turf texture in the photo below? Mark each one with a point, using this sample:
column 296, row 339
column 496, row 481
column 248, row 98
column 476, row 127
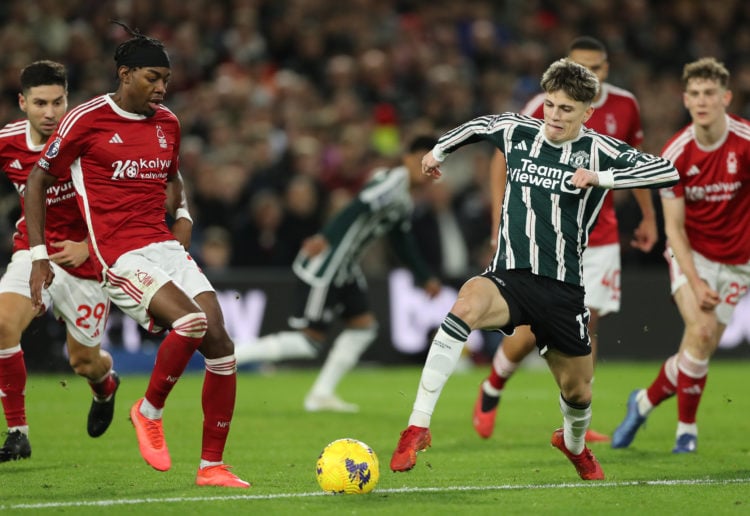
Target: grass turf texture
column 274, row 444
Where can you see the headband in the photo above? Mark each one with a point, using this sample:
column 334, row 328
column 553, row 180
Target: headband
column 145, row 56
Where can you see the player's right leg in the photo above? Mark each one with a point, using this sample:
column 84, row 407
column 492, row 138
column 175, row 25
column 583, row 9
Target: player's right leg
column 508, row 357
column 188, row 328
column 479, row 305
column 16, row 313
column 573, row 375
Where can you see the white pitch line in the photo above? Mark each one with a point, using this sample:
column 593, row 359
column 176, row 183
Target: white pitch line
column 397, row 490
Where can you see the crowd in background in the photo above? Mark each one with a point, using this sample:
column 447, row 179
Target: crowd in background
column 288, row 105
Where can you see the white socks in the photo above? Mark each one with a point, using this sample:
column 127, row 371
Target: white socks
column 576, row 421
column 275, row 347
column 344, row 355
column 441, row 361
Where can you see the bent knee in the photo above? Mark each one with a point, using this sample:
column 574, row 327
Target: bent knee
column 703, row 334
column 193, row 325
column 82, row 363
column 216, row 343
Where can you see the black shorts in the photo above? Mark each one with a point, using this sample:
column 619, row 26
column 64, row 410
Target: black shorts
column 318, row 307
column 554, row 309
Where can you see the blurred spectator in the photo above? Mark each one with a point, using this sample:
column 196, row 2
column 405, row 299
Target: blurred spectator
column 438, row 233
column 269, row 90
column 259, row 240
column 215, row 250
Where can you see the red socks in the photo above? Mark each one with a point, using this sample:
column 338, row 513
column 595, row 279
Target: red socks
column 13, row 388
column 219, row 391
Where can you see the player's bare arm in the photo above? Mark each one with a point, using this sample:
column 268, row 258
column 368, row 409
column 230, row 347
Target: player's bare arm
column 177, row 206
column 674, row 226
column 35, row 207
column 646, row 234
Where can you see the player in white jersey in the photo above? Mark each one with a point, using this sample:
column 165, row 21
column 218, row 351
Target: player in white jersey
column 706, row 218
column 76, row 298
column 535, row 277
column 123, row 149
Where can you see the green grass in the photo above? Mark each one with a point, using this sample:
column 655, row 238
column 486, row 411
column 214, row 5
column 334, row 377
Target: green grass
column 274, row 444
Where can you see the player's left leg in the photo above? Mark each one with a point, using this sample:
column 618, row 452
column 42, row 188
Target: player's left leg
column 699, row 342
column 218, row 399
column 573, row 375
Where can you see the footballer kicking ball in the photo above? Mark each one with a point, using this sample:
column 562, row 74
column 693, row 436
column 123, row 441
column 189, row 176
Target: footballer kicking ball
column 347, row 466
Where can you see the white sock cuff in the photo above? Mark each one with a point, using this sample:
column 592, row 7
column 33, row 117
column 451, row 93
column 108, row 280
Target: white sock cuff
column 7, row 353
column 691, row 366
column 224, row 366
column 356, row 339
column 670, row 369
column 502, row 364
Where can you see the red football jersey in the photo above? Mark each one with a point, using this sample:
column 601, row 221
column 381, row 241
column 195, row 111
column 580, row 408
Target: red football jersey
column 715, row 183
column 18, row 154
column 120, row 163
column 616, row 114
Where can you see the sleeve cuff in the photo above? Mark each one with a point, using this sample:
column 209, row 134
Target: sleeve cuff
column 438, row 154
column 606, row 179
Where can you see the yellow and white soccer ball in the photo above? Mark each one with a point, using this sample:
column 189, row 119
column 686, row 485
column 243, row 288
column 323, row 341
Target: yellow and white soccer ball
column 347, row 466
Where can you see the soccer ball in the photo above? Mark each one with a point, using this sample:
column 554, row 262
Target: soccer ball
column 347, row 466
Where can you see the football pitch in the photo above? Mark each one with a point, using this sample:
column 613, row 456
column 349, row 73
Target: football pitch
column 274, row 444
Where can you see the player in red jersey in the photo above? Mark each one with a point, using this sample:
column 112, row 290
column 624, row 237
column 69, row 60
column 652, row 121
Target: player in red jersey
column 706, row 216
column 123, row 148
column 76, row 297
column 616, row 114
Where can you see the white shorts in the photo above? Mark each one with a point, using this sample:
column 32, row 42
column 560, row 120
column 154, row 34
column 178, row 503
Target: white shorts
column 601, row 278
column 80, row 303
column 730, row 281
column 137, row 275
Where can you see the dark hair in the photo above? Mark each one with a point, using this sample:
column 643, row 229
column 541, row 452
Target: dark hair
column 140, row 50
column 43, row 73
column 422, row 142
column 576, row 81
column 587, row 43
